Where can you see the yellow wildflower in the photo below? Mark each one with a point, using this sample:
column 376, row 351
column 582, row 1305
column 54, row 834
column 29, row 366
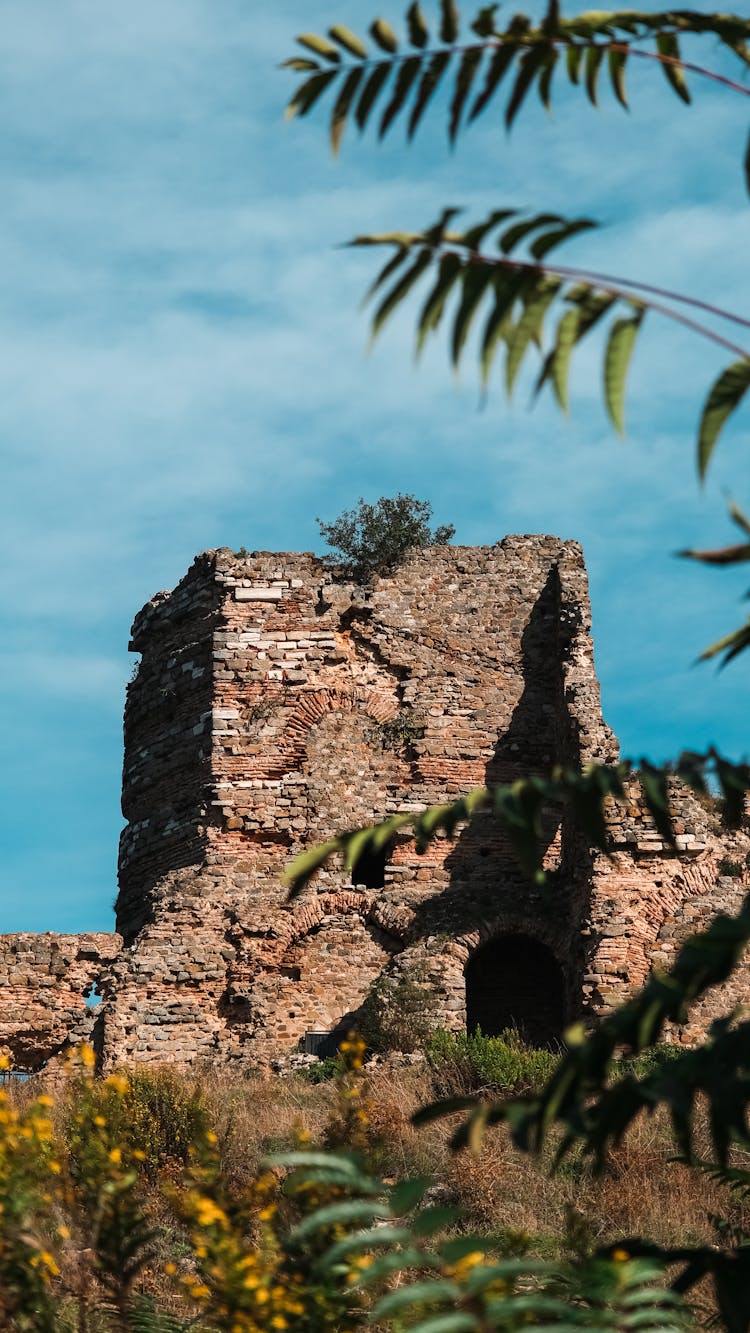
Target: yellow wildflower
column 118, row 1083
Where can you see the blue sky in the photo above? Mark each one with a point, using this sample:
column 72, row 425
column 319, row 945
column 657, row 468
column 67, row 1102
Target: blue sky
column 183, row 365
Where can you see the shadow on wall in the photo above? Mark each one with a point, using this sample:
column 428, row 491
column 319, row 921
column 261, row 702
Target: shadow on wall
column 521, row 951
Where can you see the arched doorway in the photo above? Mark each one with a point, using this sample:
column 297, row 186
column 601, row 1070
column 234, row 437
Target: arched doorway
column 514, row 981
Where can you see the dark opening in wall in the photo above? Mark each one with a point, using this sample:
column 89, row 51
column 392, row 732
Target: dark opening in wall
column 369, row 868
column 516, row 982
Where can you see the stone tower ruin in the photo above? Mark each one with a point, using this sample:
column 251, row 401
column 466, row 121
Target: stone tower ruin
column 277, row 704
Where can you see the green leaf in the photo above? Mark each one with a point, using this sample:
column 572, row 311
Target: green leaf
column 731, row 645
column 447, row 1323
column 342, row 106
column 529, row 327
column 567, row 336
column 400, row 257
column 449, row 270
column 485, row 22
column 407, row 1194
column 349, row 40
column 501, row 61
column 545, row 78
column 303, row 867
column 616, row 361
column 573, row 57
column 617, row 63
column 400, row 290
column 419, row 33
column 317, row 1160
column 467, row 71
column 473, row 237
column 520, row 230
column 594, row 58
column 656, row 795
column 737, row 516
column 591, row 303
column 530, row 66
column 418, row 1293
column 508, row 285
column 333, row 1214
column 448, row 21
column 404, row 80
column 299, row 65
column 427, row 85
column 746, row 165
column 667, row 45
column 438, row 1110
column 370, row 93
column 308, row 93
column 431, row 1220
column 320, row 46
column 476, row 279
column 364, row 1240
column 551, row 239
column 355, row 845
column 725, row 396
column 382, row 33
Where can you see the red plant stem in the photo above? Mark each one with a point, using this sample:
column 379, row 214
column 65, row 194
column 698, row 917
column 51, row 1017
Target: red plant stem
column 615, row 289
column 589, row 275
column 667, row 60
column 525, row 42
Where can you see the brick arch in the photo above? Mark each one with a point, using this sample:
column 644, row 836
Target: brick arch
column 554, row 938
column 314, row 705
column 513, row 980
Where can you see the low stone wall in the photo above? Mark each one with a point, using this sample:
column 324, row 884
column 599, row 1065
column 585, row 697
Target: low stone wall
column 44, row 982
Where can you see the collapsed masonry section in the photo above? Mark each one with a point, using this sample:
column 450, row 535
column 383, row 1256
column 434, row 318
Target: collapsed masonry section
column 47, row 983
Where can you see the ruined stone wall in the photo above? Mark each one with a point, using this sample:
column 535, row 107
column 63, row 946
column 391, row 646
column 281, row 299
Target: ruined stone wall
column 292, row 685
column 166, row 785
column 276, row 704
column 44, row 983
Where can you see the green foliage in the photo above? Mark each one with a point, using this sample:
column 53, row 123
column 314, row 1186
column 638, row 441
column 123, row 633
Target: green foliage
column 160, row 1117
column 388, row 80
column 29, row 1182
column 373, row 539
column 519, row 808
column 104, row 1174
column 400, row 732
column 514, row 294
column 399, row 1013
column 734, row 869
column 322, row 1071
column 407, row 1264
column 464, row 1063
column 739, row 553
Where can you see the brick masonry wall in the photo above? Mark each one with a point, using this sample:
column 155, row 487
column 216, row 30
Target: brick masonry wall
column 490, row 649
column 277, row 704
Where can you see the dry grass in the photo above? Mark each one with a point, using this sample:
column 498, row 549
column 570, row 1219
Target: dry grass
column 641, row 1192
